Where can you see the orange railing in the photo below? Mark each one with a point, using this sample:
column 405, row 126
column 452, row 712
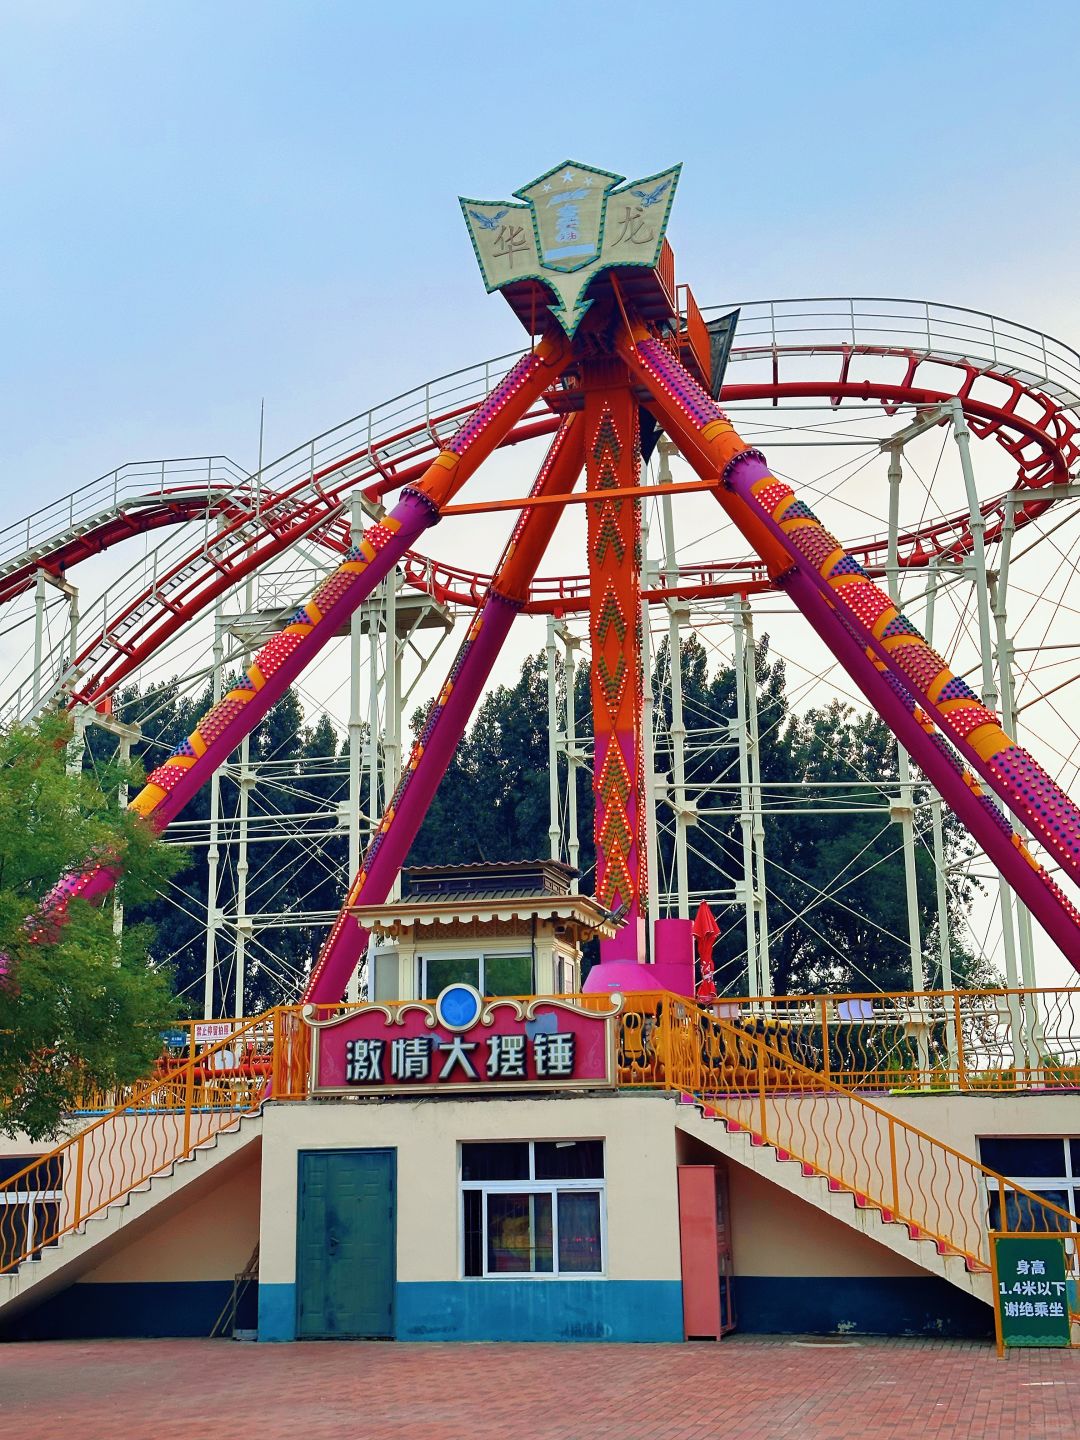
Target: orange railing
column 163, row 1121
column 692, row 328
column 240, row 1048
column 981, row 1040
column 998, row 1040
column 914, row 1178
column 747, row 1068
column 665, row 270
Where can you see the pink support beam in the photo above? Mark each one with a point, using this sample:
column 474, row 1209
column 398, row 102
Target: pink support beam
column 447, row 718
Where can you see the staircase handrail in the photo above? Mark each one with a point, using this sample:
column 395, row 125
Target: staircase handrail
column 687, row 1072
column 104, row 1161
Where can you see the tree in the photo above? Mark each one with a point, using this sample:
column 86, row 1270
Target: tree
column 836, row 890
column 493, row 801
column 78, row 1009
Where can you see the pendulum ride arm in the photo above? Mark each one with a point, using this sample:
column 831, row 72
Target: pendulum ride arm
column 794, row 544
column 291, row 650
column 449, row 714
column 931, row 752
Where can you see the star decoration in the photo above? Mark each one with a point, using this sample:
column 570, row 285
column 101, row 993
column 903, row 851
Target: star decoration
column 568, row 177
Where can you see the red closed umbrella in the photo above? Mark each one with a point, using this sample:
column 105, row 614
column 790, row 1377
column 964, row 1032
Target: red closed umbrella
column 705, row 931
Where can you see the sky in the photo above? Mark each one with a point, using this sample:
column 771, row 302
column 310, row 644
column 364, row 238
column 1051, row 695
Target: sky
column 208, row 204
column 208, row 207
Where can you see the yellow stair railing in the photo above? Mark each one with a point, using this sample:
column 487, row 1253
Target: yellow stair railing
column 856, row 1145
column 157, row 1124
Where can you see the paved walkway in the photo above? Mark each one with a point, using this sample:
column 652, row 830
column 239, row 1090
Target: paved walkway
column 741, row 1389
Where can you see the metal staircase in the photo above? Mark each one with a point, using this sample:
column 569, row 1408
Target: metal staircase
column 837, row 1148
column 162, row 1137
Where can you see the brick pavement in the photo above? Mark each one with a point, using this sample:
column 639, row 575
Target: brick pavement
column 741, row 1389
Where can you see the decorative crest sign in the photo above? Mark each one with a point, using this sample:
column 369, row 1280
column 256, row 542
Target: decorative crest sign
column 463, row 1042
column 575, row 221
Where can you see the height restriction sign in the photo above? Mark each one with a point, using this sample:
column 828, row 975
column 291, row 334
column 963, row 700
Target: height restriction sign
column 1031, row 1290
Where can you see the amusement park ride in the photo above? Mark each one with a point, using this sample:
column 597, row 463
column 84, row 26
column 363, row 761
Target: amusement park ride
column 618, row 356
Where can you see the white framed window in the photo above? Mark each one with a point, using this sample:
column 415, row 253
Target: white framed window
column 491, row 974
column 29, row 1215
column 1047, row 1165
column 533, row 1209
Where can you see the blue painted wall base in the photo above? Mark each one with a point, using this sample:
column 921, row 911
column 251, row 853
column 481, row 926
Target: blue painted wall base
column 875, row 1305
column 277, row 1312
column 130, row 1311
column 552, row 1310
column 626, row 1310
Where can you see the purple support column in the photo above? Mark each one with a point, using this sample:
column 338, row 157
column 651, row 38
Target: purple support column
column 975, row 809
column 975, row 731
column 426, row 766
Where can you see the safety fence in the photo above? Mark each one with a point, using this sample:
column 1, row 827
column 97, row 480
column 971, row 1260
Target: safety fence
column 962, row 1040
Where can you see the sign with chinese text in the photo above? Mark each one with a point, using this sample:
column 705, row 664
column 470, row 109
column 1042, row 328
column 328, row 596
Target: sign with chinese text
column 209, row 1032
column 1031, row 1291
column 462, row 1042
column 573, row 222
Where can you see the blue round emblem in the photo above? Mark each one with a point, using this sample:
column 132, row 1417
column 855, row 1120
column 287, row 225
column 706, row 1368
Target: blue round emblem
column 458, row 1007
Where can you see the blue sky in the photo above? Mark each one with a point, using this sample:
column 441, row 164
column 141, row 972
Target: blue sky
column 208, row 203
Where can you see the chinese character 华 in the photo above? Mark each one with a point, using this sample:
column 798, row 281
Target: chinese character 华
column 509, row 240
column 363, row 1061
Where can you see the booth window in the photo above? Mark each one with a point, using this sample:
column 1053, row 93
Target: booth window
column 532, row 1208
column 490, row 974
column 29, row 1213
column 1048, row 1166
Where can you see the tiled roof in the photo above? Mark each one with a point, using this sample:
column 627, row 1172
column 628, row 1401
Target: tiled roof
column 499, row 879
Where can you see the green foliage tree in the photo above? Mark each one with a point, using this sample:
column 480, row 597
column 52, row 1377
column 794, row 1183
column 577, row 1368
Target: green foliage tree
column 78, row 1011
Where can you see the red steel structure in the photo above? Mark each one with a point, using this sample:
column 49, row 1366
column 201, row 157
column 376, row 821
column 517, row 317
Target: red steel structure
column 627, row 344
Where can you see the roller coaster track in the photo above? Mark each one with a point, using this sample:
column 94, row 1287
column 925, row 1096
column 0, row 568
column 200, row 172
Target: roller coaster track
column 1017, row 387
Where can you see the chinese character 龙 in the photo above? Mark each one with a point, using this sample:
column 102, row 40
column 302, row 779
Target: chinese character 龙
column 410, row 1058
column 506, row 1058
column 363, row 1060
column 554, row 1054
column 634, row 230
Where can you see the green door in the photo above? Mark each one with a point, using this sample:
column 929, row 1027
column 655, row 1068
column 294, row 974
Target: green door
column 345, row 1260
